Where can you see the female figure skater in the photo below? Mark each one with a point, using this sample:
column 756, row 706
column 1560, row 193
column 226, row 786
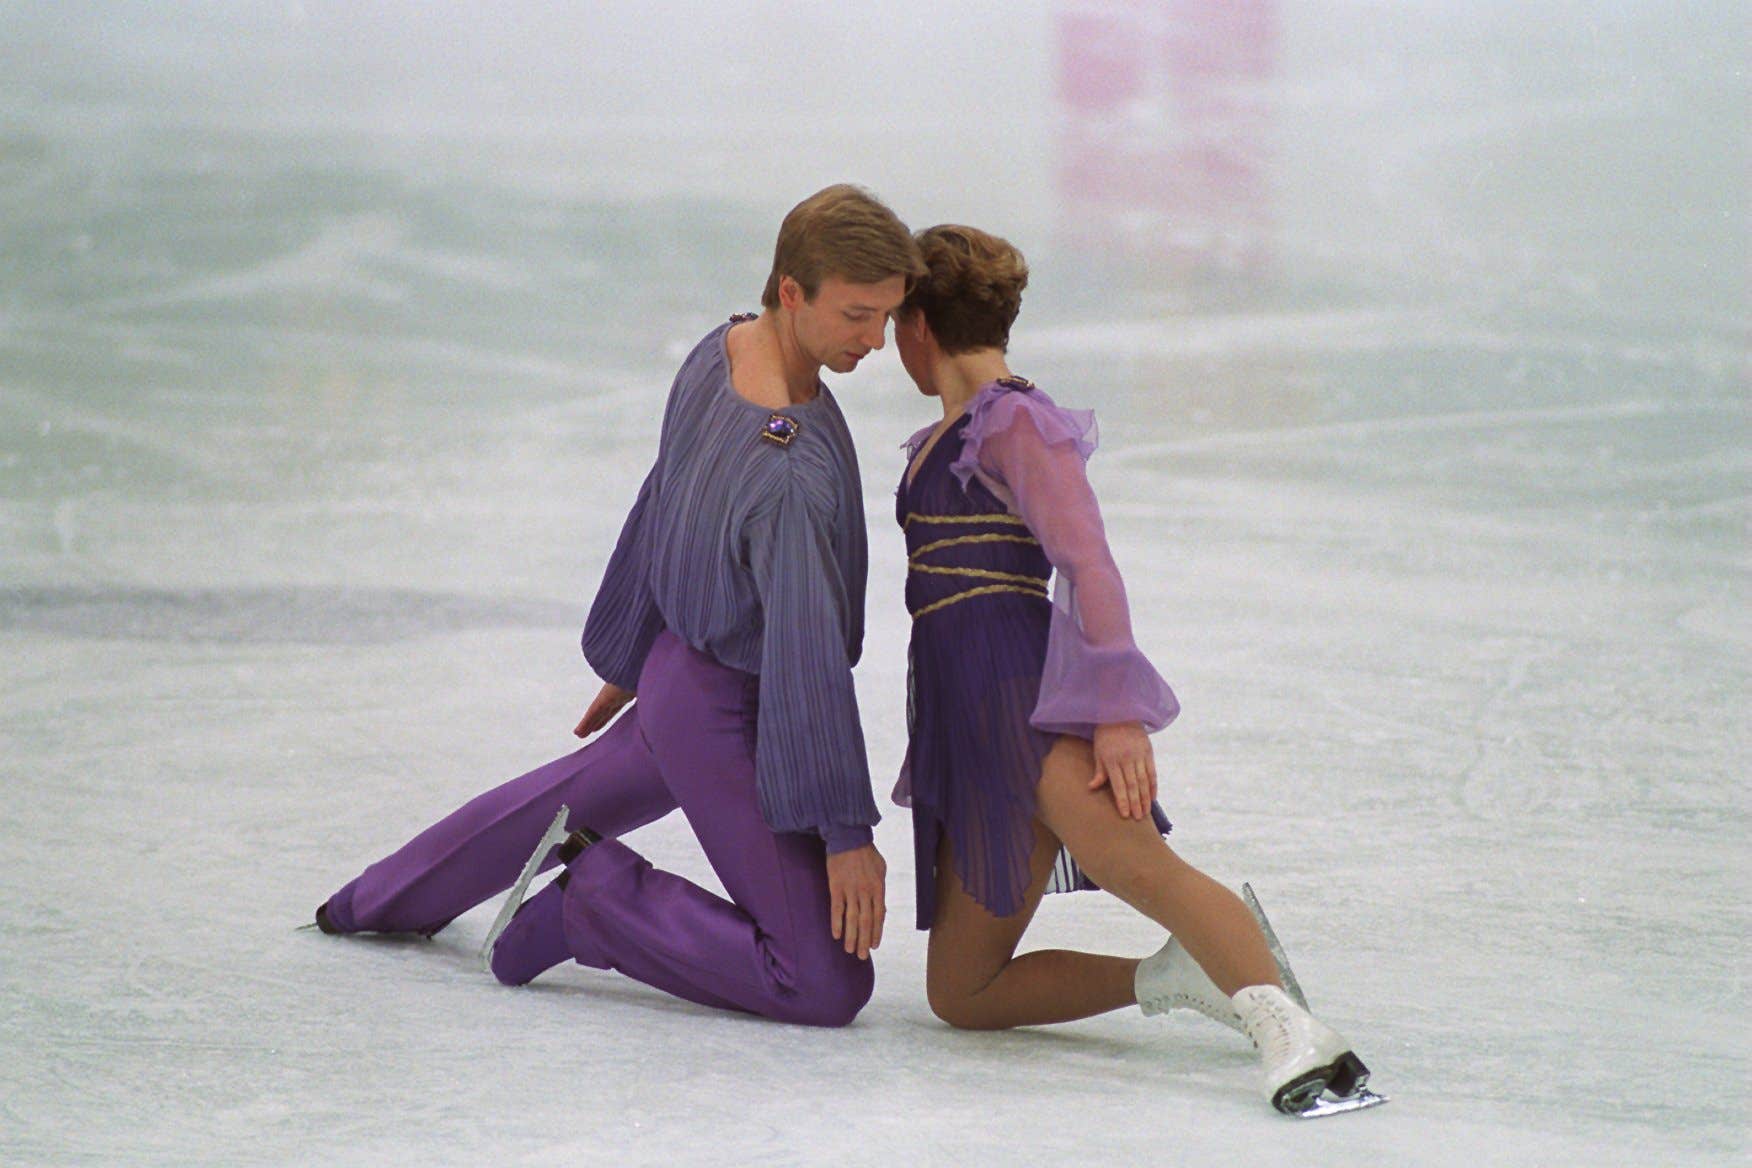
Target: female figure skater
column 1029, row 712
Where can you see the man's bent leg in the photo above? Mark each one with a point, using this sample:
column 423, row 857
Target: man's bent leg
column 611, row 785
column 769, row 949
column 621, row 913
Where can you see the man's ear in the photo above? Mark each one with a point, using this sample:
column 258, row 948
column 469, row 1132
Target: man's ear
column 790, row 293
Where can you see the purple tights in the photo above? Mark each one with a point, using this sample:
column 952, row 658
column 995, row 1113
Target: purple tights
column 688, row 742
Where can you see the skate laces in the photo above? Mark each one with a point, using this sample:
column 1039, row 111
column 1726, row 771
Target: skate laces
column 1271, row 1024
column 1170, row 979
column 1185, row 999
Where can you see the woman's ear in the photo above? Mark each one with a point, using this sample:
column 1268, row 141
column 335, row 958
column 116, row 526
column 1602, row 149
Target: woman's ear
column 920, row 329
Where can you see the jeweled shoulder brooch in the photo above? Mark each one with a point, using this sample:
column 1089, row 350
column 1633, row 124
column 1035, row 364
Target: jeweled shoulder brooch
column 780, row 429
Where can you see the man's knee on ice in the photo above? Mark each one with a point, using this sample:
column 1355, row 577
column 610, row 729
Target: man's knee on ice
column 832, row 1000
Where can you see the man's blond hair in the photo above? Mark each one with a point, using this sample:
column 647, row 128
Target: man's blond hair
column 842, row 231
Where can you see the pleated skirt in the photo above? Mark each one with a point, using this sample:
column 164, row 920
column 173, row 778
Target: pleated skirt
column 973, row 760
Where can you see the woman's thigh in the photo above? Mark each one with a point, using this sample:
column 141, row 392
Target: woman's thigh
column 1087, row 821
column 969, row 946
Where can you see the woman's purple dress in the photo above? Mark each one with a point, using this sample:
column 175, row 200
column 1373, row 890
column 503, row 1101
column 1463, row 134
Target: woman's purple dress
column 999, row 665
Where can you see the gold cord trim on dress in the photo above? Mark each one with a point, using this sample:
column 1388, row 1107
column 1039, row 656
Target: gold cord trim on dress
column 957, row 541
column 1001, row 517
column 979, row 573
column 985, row 590
column 1027, row 585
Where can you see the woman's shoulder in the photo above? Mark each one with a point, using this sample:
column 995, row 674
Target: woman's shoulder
column 1015, row 405
column 916, row 442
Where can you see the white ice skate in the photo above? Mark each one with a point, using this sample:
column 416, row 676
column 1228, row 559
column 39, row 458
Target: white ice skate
column 1307, row 1068
column 1170, row 979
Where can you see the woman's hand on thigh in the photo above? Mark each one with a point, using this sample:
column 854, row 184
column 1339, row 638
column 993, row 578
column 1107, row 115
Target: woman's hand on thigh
column 1125, row 762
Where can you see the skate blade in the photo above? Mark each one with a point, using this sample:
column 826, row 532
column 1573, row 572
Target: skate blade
column 1285, row 974
column 1330, row 1104
column 1349, row 1075
column 369, row 936
column 556, row 833
column 1345, row 1078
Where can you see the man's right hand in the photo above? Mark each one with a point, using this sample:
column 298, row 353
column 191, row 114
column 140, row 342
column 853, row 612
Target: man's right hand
column 610, row 700
column 855, row 883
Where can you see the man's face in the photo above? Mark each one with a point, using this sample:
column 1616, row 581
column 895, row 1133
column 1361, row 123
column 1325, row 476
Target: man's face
column 845, row 321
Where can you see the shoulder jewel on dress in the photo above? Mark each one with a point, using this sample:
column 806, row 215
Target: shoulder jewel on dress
column 780, row 429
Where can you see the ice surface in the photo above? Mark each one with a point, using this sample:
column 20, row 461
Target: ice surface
column 331, row 344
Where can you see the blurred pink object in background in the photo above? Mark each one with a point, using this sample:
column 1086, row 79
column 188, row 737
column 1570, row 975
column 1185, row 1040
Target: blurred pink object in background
column 1165, row 151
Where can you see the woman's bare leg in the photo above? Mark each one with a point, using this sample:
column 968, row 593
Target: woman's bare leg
column 1130, row 859
column 974, row 980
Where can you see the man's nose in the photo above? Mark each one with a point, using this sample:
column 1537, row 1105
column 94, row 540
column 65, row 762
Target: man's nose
column 880, row 335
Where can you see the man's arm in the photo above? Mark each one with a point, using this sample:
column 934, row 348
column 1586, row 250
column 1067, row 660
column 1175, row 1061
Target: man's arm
column 810, row 763
column 609, row 701
column 624, row 620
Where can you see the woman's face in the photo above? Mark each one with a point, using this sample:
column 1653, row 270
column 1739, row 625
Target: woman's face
column 914, row 343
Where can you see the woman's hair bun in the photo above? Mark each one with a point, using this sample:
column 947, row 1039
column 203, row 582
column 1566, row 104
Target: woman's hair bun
column 972, row 288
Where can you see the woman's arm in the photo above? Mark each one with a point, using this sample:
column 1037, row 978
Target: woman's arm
column 1097, row 683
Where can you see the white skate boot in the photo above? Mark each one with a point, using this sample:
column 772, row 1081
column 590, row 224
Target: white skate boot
column 1170, row 979
column 1300, row 1056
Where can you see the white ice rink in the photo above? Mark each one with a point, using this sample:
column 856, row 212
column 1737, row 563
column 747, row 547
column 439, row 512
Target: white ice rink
column 332, row 344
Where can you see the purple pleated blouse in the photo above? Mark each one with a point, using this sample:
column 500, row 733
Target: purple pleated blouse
column 750, row 546
column 1030, row 453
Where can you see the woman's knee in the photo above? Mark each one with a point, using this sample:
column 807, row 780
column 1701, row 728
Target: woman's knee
column 962, row 1011
column 955, row 1001
column 950, row 1008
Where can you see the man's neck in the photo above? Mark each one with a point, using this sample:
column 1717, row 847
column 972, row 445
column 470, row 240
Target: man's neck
column 801, row 373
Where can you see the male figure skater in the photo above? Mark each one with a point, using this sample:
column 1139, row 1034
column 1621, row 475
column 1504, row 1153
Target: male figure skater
column 733, row 608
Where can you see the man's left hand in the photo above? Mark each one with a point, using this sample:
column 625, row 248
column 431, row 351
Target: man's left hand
column 857, row 890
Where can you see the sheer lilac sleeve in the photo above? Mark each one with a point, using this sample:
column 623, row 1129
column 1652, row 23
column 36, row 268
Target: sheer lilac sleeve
column 1035, row 452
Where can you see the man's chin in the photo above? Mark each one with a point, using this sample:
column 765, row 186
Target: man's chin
column 843, row 363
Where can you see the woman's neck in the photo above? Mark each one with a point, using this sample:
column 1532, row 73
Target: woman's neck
column 960, row 377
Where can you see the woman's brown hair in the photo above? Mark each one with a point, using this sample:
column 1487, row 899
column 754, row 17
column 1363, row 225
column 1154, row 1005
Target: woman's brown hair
column 972, row 288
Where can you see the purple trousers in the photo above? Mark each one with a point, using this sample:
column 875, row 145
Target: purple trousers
column 688, row 742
